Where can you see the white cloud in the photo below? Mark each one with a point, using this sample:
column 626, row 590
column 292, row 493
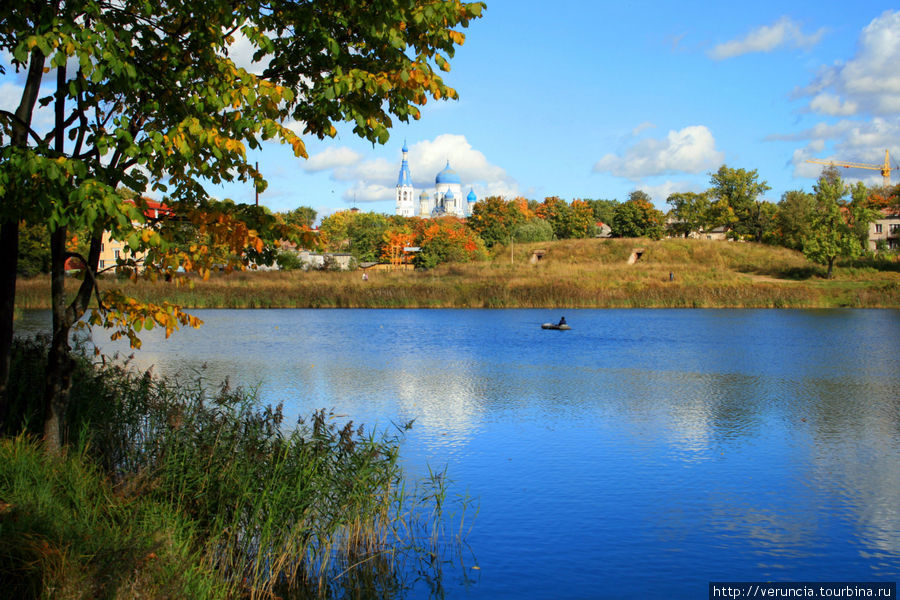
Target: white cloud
column 869, row 83
column 830, row 104
column 368, row 192
column 661, row 192
column 690, row 150
column 42, row 119
column 847, row 140
column 241, row 53
column 332, row 158
column 766, row 38
column 641, row 128
column 375, row 179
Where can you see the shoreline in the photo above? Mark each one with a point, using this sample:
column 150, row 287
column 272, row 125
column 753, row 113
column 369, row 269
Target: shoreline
column 573, row 274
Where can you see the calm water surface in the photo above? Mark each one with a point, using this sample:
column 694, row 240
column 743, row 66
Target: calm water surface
column 642, row 454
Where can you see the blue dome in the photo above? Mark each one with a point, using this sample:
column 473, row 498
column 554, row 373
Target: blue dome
column 448, row 175
column 449, row 194
column 472, row 197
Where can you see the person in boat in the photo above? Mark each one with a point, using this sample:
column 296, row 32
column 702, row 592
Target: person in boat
column 562, row 322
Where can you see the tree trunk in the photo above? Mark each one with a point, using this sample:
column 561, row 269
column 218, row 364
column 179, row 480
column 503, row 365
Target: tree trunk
column 9, row 257
column 830, row 272
column 9, row 230
column 59, row 362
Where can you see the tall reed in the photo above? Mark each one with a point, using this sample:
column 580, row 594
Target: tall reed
column 303, row 510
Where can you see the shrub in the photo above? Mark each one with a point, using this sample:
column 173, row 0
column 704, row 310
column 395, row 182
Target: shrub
column 535, row 230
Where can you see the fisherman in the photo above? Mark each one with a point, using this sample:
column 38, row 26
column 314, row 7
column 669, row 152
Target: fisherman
column 562, row 321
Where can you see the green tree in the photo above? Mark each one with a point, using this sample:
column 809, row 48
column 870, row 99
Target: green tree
column 637, row 217
column 793, row 218
column 34, row 250
column 534, row 230
column 365, row 232
column 739, row 190
column 603, row 210
column 494, row 220
column 690, row 211
column 153, row 101
column 831, row 235
column 555, row 211
column 580, row 222
column 303, row 216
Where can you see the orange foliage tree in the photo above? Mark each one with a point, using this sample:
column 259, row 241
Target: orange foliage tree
column 447, row 240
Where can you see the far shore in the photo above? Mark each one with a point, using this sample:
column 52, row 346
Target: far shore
column 673, row 273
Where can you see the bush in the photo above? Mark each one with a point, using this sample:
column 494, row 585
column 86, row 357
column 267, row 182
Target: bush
column 535, row 230
column 289, row 261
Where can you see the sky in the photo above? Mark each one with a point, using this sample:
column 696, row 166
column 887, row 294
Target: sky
column 582, row 99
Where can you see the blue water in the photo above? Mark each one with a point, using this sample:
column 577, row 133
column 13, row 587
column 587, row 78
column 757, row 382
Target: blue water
column 644, row 453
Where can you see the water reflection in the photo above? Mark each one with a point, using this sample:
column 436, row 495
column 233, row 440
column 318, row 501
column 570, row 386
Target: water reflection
column 682, row 445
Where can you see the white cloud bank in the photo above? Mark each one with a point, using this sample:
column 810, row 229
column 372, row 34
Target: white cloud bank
column 869, row 83
column 861, row 99
column 374, row 180
column 783, row 32
column 689, row 150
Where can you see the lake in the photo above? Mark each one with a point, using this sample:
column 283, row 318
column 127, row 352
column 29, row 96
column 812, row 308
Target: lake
column 643, row 453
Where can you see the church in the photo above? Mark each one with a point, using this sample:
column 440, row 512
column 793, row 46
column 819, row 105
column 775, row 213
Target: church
column 447, row 198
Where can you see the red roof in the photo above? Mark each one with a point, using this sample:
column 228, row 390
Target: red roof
column 156, row 210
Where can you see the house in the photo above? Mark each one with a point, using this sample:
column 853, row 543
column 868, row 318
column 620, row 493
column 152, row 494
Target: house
column 603, row 230
column 886, row 230
column 111, row 250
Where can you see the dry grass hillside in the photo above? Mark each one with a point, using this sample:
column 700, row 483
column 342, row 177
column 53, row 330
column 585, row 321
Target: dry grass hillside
column 572, row 273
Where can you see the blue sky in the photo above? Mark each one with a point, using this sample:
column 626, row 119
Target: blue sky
column 596, row 99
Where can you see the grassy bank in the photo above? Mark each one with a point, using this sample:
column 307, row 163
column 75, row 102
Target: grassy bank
column 169, row 490
column 573, row 273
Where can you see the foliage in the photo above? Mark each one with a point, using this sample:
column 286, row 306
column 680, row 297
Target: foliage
column 303, row 216
column 334, row 230
column 534, row 230
column 637, row 217
column 365, row 232
column 34, row 250
column 394, row 242
column 831, row 233
column 793, row 218
column 580, row 222
column 690, row 212
column 554, row 210
column 738, row 189
column 153, row 101
column 603, row 210
column 288, row 261
column 494, row 220
column 447, row 239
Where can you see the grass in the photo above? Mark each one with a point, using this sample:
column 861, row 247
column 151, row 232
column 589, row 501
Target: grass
column 65, row 532
column 574, row 273
column 172, row 490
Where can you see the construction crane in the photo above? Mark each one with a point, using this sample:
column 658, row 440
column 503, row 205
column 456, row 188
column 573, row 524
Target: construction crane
column 885, row 169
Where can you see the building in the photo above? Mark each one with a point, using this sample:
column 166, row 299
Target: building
column 111, row 250
column 886, row 229
column 446, row 198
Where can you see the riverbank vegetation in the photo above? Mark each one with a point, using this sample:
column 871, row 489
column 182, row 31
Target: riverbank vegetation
column 168, row 489
column 587, row 273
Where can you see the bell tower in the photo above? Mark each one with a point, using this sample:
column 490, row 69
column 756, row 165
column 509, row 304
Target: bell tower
column 405, row 194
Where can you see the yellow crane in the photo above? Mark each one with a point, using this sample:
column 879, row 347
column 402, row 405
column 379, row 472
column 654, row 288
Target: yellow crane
column 885, row 168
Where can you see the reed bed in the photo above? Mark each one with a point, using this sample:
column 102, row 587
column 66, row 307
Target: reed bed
column 316, row 509
column 573, row 273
